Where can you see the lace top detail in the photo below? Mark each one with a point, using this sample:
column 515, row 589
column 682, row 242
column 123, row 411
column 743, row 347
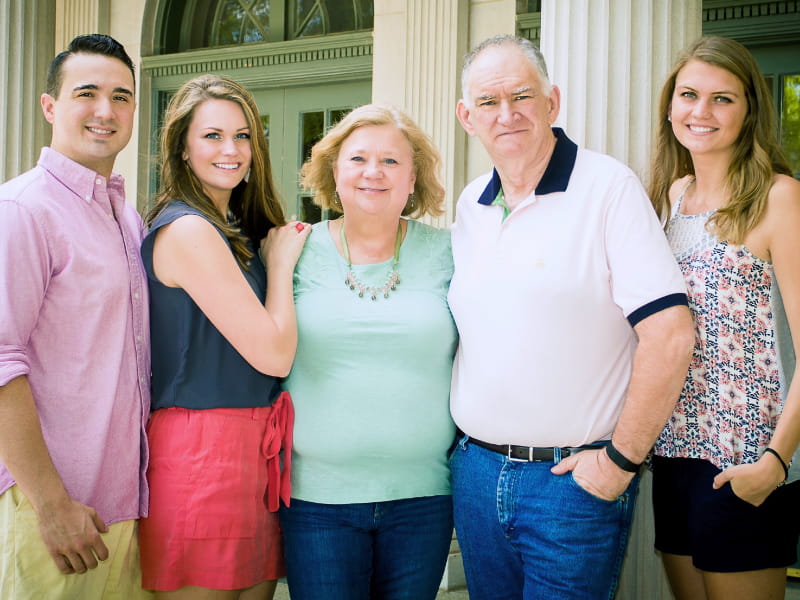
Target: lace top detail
column 733, row 394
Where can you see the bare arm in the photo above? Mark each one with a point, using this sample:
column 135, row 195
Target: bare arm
column 189, row 253
column 70, row 530
column 660, row 364
column 753, row 482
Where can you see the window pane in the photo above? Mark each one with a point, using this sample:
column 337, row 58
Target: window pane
column 528, row 6
column 162, row 102
column 309, row 18
column 265, row 125
column 241, row 21
column 365, row 14
column 790, row 121
column 312, row 125
column 336, row 115
column 320, row 17
column 342, row 19
column 309, row 212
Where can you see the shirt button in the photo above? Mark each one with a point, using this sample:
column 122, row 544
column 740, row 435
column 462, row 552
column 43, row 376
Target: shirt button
column 88, row 197
column 136, row 295
column 138, row 338
column 98, row 181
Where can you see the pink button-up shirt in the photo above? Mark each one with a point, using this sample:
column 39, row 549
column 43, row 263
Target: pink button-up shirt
column 74, row 320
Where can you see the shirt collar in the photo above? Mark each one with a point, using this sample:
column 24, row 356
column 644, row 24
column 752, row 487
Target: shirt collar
column 74, row 176
column 556, row 175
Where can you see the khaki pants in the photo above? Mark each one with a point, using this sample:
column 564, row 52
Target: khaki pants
column 27, row 572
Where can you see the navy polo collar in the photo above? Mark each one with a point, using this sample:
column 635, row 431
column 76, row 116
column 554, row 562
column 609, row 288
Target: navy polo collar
column 556, row 175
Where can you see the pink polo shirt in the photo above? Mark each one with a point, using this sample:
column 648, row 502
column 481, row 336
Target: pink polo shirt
column 74, row 320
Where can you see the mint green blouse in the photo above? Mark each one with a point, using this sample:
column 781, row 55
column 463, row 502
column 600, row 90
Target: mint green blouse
column 371, row 379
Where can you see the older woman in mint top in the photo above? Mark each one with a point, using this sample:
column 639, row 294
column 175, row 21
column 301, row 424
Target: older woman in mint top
column 370, row 514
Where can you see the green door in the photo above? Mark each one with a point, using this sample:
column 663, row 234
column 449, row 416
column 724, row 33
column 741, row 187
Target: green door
column 295, row 119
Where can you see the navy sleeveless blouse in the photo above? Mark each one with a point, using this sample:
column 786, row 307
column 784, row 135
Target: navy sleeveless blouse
column 193, row 365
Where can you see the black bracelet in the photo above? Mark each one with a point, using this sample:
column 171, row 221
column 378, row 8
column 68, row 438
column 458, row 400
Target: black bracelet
column 619, row 459
column 780, row 460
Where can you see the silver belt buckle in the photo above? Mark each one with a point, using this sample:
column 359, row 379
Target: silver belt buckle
column 512, row 459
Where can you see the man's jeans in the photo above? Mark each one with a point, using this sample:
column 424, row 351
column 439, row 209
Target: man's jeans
column 527, row 534
column 394, row 550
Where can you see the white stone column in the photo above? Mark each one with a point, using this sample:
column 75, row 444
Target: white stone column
column 487, row 18
column 417, row 58
column 26, row 49
column 79, row 17
column 610, row 58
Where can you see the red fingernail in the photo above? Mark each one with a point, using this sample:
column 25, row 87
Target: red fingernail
column 299, row 227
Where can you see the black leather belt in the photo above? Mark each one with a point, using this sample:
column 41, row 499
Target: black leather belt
column 531, row 453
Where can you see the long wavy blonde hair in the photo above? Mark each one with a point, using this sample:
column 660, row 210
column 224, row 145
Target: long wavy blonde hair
column 757, row 157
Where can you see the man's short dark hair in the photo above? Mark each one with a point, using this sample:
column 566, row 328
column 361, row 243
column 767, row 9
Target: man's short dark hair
column 94, row 43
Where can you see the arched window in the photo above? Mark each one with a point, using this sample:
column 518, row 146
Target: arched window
column 213, row 23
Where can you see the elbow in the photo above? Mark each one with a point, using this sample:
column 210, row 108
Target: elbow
column 688, row 346
column 671, row 336
column 283, row 370
column 682, row 340
column 271, row 354
column 284, row 360
column 277, row 365
column 688, row 334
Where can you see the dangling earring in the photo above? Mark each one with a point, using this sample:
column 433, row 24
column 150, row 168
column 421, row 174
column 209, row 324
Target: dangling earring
column 669, row 118
column 411, row 199
column 336, row 200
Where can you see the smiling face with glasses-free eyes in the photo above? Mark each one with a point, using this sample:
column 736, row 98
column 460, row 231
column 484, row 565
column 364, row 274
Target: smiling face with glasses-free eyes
column 217, row 148
column 708, row 108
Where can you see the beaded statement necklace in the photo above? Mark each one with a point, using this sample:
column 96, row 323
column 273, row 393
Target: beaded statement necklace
column 392, row 281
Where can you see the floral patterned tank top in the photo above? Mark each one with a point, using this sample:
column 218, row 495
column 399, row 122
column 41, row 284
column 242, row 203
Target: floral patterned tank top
column 734, row 391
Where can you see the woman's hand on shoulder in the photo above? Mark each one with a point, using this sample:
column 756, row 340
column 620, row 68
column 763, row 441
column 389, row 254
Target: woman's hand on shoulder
column 282, row 246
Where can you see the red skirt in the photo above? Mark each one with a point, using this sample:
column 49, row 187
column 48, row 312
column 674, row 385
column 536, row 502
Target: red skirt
column 215, row 484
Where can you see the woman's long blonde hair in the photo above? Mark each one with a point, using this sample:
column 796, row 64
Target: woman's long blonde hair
column 757, row 157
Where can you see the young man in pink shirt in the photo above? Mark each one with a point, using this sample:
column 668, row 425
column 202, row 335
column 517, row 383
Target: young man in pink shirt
column 74, row 345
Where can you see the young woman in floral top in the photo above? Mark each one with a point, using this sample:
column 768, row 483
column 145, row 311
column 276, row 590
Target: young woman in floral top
column 726, row 512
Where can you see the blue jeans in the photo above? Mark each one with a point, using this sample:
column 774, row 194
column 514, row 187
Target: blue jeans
column 393, row 550
column 527, row 534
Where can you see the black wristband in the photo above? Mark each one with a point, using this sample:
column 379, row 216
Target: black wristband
column 780, row 460
column 618, row 459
